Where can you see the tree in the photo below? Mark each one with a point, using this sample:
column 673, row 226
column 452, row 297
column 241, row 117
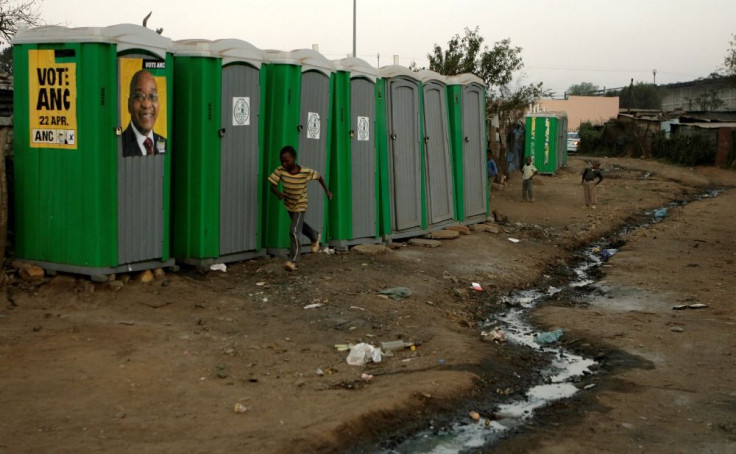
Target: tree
column 6, row 61
column 639, row 96
column 496, row 66
column 17, row 14
column 729, row 62
column 583, row 89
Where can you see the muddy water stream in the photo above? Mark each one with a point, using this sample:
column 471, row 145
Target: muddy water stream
column 561, row 379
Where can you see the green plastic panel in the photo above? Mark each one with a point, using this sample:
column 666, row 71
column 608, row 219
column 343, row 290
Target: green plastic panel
column 197, row 97
column 66, row 198
column 281, row 119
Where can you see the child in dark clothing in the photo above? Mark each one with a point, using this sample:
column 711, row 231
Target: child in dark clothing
column 589, row 183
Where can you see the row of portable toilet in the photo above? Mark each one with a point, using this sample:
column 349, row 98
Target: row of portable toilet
column 403, row 152
column 546, row 141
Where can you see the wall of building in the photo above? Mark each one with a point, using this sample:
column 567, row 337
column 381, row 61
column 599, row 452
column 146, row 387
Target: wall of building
column 697, row 95
column 581, row 109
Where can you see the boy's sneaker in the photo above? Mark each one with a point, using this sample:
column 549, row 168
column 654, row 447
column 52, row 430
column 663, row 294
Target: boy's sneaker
column 290, row 266
column 315, row 245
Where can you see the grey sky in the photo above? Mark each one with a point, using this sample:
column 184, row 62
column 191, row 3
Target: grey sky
column 564, row 42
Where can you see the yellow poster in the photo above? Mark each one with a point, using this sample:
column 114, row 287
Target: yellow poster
column 52, row 100
column 143, row 106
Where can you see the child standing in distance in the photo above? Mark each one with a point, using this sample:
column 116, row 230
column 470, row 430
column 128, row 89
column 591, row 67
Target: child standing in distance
column 527, row 174
column 589, row 183
column 294, row 179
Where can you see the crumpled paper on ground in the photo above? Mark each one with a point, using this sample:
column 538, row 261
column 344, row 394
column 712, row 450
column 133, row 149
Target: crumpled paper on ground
column 362, row 353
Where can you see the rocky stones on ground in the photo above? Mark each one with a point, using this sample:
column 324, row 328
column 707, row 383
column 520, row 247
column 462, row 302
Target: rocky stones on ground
column 371, row 249
column 28, row 271
column 490, row 228
column 463, row 229
column 443, row 235
column 159, row 273
column 424, row 242
column 144, row 277
column 115, row 286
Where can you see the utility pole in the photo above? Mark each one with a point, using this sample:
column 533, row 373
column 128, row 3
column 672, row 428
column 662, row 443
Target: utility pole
column 654, row 72
column 354, row 22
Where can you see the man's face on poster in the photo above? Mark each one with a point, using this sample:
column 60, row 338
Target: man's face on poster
column 143, row 101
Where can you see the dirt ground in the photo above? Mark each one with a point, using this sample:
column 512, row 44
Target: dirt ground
column 132, row 367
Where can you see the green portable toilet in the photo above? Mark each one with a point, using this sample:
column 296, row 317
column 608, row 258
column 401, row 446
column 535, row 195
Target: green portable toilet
column 296, row 102
column 405, row 158
column 467, row 109
column 353, row 217
column 94, row 200
column 217, row 164
column 438, row 159
column 546, row 141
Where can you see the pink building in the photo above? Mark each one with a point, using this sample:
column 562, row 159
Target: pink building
column 579, row 109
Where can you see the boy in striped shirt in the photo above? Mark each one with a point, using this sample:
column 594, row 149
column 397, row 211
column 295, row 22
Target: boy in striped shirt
column 294, row 179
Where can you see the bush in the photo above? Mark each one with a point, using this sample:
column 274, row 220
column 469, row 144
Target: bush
column 590, row 138
column 686, row 150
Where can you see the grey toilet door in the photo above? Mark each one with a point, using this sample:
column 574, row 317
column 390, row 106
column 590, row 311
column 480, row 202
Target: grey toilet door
column 404, row 157
column 239, row 159
column 312, row 151
column 363, row 157
column 140, row 199
column 474, row 153
column 437, row 152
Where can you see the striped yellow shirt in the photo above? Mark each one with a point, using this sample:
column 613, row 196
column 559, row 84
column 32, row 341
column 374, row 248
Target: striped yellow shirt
column 294, row 187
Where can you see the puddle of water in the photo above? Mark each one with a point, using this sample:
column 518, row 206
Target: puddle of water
column 564, row 369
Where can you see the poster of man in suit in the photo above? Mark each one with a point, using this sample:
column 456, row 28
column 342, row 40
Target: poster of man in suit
column 143, row 107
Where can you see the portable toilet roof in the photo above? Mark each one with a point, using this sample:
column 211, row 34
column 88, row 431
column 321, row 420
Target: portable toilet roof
column 126, row 36
column 279, row 57
column 193, row 48
column 425, row 75
column 311, row 60
column 357, row 68
column 236, row 50
column 465, row 79
column 397, row 70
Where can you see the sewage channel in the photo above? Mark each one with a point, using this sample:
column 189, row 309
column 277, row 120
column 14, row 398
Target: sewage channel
column 559, row 378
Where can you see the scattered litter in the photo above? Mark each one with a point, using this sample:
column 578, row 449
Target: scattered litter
column 357, row 308
column 677, row 329
column 240, row 408
column 312, row 306
column 592, row 385
column 514, row 240
column 362, row 353
column 327, row 251
column 680, row 307
column 497, row 335
column 366, row 377
column 396, row 293
column 607, row 253
column 660, row 213
column 475, row 415
column 392, row 346
column 219, row 267
column 343, row 347
column 260, row 284
column 319, row 372
column 441, row 362
column 548, row 337
column 476, row 286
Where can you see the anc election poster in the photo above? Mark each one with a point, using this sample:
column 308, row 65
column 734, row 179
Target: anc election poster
column 53, row 99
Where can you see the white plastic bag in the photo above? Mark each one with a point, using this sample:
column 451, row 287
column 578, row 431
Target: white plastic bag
column 362, row 353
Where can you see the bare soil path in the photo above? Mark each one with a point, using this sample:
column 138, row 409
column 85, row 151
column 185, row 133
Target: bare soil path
column 160, row 366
